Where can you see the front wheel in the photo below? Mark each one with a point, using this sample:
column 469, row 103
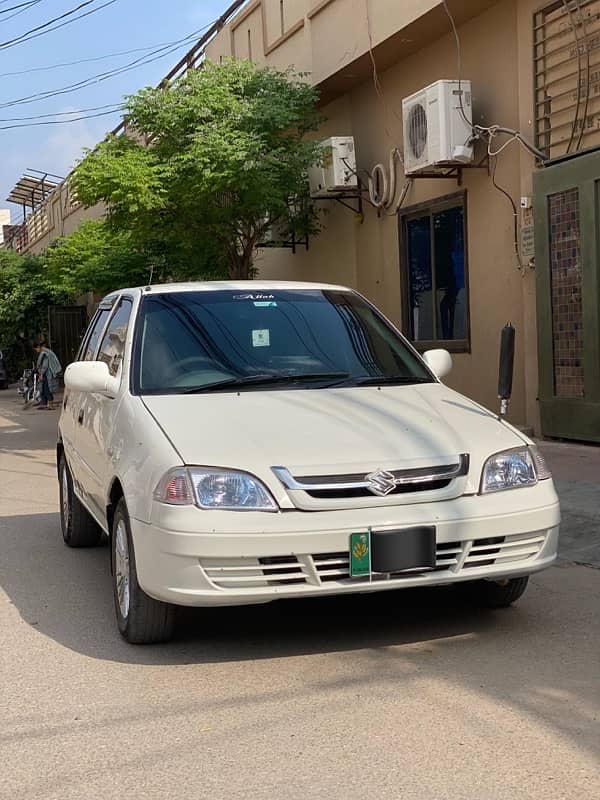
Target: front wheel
column 28, row 396
column 141, row 619
column 496, row 594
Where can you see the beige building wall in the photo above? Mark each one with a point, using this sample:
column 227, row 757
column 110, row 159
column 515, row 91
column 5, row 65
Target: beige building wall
column 4, row 220
column 366, row 255
column 60, row 215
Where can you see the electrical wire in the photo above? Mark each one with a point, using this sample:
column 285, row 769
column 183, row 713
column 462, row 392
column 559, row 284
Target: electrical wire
column 21, row 11
column 50, row 67
column 376, row 81
column 44, row 29
column 61, row 113
column 587, row 56
column 515, row 213
column 579, row 74
column 149, row 58
column 21, row 5
column 469, row 122
column 60, row 121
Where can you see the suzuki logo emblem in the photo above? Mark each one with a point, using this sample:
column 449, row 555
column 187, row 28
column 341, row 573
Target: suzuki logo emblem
column 381, row 482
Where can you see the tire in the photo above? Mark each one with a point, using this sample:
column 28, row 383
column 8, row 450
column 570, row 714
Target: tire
column 141, row 619
column 491, row 594
column 79, row 529
column 28, row 397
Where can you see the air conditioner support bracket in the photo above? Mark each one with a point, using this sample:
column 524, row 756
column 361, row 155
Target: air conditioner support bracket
column 453, row 173
column 342, row 199
column 293, row 244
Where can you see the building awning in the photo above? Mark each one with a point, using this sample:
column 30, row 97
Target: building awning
column 32, row 189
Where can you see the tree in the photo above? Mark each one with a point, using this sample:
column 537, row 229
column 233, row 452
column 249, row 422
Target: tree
column 95, row 258
column 25, row 294
column 216, row 160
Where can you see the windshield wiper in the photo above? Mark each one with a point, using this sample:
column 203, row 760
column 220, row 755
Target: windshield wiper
column 391, row 380
column 265, row 380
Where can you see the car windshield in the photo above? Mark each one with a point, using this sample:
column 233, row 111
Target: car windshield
column 234, row 340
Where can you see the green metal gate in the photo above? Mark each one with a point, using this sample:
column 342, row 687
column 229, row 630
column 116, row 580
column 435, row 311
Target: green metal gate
column 567, row 222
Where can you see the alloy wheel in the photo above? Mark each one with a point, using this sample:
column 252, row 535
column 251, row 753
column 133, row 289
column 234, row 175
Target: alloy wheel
column 122, row 568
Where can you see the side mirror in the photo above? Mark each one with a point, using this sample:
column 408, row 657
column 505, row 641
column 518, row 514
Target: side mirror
column 438, row 361
column 92, row 377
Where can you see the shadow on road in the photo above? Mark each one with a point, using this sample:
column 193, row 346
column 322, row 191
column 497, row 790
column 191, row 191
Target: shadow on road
column 66, row 595
column 510, row 656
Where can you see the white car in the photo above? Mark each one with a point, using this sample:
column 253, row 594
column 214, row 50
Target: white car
column 245, row 442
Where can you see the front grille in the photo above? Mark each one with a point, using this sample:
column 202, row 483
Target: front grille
column 322, row 568
column 283, row 569
column 376, row 483
column 429, row 486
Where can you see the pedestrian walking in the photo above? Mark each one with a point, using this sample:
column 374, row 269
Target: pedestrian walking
column 49, row 368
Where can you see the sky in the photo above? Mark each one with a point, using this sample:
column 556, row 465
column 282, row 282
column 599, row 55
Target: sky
column 121, row 26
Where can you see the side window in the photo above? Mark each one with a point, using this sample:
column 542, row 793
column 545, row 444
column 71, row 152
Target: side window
column 113, row 344
column 91, row 341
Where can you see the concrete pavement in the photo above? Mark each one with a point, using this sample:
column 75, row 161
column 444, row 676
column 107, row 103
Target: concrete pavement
column 411, row 695
column 576, row 471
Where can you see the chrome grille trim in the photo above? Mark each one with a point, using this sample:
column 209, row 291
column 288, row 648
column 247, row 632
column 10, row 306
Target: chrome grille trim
column 402, row 477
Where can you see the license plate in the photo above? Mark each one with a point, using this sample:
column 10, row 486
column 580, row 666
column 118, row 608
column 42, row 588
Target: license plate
column 385, row 552
column 360, row 554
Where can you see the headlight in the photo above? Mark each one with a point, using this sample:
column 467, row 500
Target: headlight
column 513, row 469
column 213, row 488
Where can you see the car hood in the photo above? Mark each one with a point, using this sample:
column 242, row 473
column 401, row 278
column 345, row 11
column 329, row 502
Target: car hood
column 331, row 431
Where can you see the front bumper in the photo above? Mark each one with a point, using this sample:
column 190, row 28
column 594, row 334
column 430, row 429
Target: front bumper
column 200, row 558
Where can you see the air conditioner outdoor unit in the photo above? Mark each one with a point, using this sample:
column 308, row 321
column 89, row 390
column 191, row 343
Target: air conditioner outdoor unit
column 437, row 127
column 337, row 172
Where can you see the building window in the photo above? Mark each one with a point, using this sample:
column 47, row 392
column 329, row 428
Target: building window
column 435, row 274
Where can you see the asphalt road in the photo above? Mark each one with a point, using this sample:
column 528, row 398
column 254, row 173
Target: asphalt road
column 402, row 696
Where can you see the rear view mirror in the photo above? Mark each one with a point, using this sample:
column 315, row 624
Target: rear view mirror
column 92, row 377
column 438, row 361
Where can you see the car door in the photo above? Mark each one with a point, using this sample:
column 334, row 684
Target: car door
column 72, row 400
column 96, row 414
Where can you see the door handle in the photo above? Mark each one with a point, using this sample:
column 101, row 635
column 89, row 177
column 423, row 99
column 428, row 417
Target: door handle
column 80, row 417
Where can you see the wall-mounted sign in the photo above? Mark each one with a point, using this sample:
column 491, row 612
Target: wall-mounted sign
column 527, row 243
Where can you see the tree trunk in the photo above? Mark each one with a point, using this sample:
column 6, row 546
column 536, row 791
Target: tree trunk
column 240, row 265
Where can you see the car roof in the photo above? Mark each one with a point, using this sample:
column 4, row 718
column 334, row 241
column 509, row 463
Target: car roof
column 213, row 286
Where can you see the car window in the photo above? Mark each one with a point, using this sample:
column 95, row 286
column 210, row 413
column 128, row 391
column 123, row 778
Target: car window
column 188, row 340
column 96, row 328
column 113, row 343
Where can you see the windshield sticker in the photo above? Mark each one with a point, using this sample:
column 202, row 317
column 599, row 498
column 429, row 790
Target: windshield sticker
column 265, row 304
column 261, row 338
column 254, row 296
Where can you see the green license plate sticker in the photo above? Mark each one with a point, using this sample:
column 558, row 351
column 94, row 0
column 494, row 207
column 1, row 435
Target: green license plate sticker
column 360, row 554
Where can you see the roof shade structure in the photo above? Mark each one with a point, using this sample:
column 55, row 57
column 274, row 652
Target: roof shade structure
column 33, row 188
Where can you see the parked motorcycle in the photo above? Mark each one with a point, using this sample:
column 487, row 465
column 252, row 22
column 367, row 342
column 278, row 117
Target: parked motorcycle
column 29, row 387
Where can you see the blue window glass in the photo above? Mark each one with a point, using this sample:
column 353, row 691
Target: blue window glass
column 437, row 294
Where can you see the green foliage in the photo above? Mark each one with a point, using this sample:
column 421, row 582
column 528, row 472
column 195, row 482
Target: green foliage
column 227, row 153
column 101, row 257
column 26, row 291
column 94, row 258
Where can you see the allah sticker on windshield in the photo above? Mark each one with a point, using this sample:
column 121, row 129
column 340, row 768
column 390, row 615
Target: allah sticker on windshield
column 261, row 338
